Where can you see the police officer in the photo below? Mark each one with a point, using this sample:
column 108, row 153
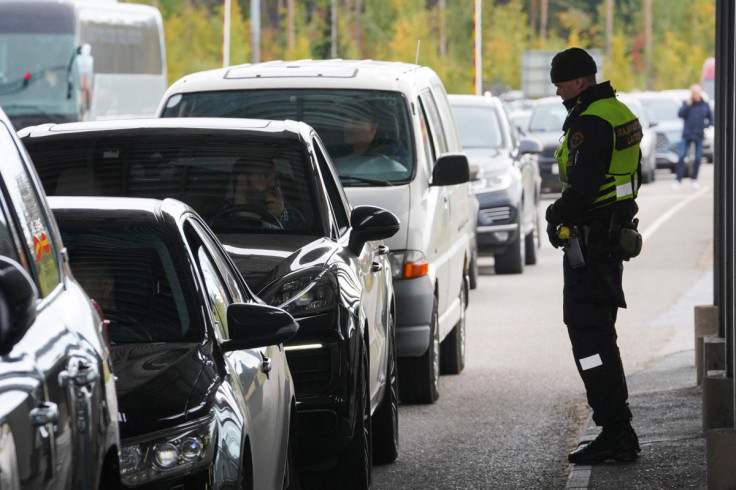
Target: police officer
column 599, row 164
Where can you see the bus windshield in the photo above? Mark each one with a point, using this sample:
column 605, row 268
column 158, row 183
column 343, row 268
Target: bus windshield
column 35, row 53
column 62, row 60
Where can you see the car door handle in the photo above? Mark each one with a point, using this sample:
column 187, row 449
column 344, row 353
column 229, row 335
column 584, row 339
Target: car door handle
column 45, row 413
column 376, row 267
column 382, row 250
column 266, row 365
column 83, row 374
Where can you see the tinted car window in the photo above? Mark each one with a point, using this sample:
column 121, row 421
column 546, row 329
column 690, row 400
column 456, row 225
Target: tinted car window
column 43, row 262
column 229, row 182
column 140, row 284
column 340, row 117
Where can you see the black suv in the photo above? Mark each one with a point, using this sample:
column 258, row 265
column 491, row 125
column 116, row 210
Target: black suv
column 58, row 408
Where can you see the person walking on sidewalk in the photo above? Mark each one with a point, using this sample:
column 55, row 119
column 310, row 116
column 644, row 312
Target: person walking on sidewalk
column 698, row 116
column 600, row 167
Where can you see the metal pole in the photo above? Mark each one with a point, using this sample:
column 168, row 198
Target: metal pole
column 333, row 47
column 226, row 34
column 255, row 31
column 477, row 41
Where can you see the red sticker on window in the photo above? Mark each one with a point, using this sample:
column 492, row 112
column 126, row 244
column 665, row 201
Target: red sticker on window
column 41, row 246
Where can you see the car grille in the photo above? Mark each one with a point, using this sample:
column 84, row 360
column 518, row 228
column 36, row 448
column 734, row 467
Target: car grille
column 311, row 369
column 492, row 216
column 662, row 141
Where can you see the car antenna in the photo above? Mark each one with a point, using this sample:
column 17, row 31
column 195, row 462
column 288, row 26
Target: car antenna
column 416, row 60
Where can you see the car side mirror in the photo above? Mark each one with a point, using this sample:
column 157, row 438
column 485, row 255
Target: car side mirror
column 528, row 145
column 18, row 296
column 451, row 169
column 371, row 223
column 255, row 325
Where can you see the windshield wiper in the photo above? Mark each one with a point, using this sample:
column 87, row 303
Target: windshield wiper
column 366, row 180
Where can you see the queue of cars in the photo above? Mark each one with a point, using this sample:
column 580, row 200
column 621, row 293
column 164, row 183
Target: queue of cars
column 254, row 311
column 505, row 180
column 265, row 291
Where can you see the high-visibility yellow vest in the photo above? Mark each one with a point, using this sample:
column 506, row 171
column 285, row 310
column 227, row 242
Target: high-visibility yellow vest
column 621, row 177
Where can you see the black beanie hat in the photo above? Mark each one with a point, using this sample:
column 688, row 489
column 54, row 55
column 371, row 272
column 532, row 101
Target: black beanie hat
column 570, row 64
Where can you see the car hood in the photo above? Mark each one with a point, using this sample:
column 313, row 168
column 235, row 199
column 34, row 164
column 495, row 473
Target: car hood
column 162, row 385
column 491, row 160
column 261, row 258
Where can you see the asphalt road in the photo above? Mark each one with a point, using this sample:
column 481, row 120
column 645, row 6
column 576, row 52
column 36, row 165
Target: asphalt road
column 509, row 420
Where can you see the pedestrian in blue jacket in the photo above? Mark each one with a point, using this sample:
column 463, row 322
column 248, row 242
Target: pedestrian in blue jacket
column 698, row 116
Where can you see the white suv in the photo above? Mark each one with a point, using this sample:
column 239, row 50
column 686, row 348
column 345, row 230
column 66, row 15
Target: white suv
column 391, row 133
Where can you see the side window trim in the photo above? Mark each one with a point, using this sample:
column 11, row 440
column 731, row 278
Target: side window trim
column 333, row 188
column 39, row 235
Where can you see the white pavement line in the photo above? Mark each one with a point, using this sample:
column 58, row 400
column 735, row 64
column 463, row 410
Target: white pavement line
column 671, row 212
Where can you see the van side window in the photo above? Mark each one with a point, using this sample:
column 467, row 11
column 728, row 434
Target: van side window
column 23, row 196
column 426, row 139
column 435, row 123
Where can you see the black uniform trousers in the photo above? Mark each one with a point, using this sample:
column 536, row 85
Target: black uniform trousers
column 592, row 295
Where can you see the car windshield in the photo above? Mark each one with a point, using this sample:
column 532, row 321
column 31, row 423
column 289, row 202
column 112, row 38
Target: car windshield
column 367, row 133
column 139, row 283
column 238, row 184
column 479, row 127
column 660, row 108
column 547, row 117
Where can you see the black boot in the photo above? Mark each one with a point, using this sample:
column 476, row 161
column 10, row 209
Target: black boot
column 615, row 442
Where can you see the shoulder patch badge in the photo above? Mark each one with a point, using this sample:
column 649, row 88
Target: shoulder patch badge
column 576, row 139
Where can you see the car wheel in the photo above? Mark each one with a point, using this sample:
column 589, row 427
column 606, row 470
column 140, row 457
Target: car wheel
column 452, row 359
column 356, row 464
column 386, row 417
column 419, row 377
column 291, row 476
column 473, row 269
column 511, row 260
column 531, row 242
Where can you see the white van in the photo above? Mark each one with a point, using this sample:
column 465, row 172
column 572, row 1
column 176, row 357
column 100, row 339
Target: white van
column 391, row 134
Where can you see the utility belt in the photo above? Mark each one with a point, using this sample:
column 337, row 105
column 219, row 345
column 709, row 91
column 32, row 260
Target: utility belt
column 619, row 240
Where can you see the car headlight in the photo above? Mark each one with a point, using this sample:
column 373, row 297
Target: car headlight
column 498, row 181
column 304, row 293
column 408, row 264
column 166, row 453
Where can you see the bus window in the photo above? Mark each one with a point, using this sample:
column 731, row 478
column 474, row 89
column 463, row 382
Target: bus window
column 62, row 61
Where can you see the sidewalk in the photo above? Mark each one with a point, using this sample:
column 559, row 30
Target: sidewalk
column 666, row 404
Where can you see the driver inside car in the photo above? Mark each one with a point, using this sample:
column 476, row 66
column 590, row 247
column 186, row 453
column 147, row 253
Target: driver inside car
column 257, row 194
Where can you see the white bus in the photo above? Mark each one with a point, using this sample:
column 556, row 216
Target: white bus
column 74, row 60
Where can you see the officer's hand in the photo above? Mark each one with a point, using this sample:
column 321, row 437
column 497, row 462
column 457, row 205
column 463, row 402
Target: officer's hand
column 552, row 235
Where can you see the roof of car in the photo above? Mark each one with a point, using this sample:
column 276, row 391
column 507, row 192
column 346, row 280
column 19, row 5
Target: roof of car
column 334, row 73
column 150, row 126
column 467, row 99
column 140, row 211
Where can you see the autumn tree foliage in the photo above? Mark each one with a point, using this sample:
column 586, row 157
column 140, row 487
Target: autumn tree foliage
column 439, row 34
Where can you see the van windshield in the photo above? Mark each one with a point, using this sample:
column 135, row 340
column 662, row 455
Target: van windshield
column 367, row 133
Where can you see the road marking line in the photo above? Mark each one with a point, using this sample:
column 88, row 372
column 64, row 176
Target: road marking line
column 646, row 234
